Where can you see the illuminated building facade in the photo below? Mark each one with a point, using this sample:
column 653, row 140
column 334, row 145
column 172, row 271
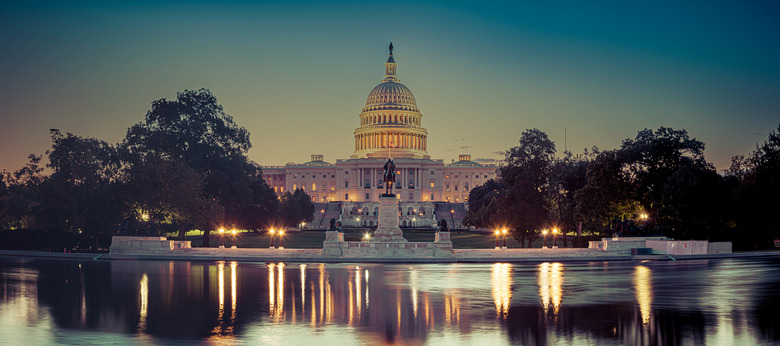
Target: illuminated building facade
column 390, row 126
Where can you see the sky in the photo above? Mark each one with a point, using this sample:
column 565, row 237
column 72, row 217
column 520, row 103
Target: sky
column 296, row 74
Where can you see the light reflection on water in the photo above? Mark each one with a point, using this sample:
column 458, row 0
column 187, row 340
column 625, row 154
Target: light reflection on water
column 708, row 301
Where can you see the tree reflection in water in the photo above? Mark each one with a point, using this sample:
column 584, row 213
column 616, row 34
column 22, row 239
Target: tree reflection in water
column 628, row 303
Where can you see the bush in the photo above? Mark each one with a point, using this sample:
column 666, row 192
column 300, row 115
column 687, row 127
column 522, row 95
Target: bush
column 38, row 240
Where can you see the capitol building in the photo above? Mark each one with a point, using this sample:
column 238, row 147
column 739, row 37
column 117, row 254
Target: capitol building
column 348, row 190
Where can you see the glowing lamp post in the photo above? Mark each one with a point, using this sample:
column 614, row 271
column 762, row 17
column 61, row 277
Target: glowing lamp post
column 497, row 235
column 555, row 232
column 221, row 238
column 271, row 232
column 544, row 237
column 281, row 235
column 504, row 232
column 235, row 232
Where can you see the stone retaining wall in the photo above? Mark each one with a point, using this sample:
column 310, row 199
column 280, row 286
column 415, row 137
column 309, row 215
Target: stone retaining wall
column 334, row 245
column 127, row 244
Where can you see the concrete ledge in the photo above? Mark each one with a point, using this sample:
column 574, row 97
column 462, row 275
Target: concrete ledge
column 314, row 255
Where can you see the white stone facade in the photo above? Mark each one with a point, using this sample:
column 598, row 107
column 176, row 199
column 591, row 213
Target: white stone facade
column 390, row 126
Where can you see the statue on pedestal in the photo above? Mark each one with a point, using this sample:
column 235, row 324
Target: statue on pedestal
column 389, row 176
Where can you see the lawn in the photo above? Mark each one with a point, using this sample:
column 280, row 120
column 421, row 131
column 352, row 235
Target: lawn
column 314, row 239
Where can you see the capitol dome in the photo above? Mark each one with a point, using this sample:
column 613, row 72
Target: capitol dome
column 391, row 95
column 391, row 123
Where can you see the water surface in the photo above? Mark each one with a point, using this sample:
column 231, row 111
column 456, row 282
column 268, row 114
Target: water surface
column 728, row 301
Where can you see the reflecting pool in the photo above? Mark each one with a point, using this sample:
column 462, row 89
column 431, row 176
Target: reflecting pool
column 727, row 301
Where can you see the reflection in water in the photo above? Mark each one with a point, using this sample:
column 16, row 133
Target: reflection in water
column 550, row 280
column 451, row 307
column 233, row 294
column 55, row 302
column 271, row 289
column 413, row 283
column 276, row 291
column 502, row 287
column 644, row 292
column 302, row 268
column 144, row 295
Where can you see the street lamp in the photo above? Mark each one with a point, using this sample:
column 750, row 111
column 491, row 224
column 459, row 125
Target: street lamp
column 221, row 238
column 271, row 231
column 555, row 232
column 235, row 232
column 504, row 231
column 281, row 235
column 544, row 237
column 497, row 235
column 366, row 236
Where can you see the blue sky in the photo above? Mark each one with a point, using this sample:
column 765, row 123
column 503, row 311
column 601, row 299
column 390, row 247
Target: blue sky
column 296, row 74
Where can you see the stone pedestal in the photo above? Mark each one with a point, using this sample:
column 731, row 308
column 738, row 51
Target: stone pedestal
column 332, row 244
column 388, row 229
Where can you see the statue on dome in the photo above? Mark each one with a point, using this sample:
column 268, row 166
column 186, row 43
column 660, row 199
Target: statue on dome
column 391, row 48
column 389, row 176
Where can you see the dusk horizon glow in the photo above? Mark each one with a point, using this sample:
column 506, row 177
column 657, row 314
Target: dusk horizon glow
column 296, row 74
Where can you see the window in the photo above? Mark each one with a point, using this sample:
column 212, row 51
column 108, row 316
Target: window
column 411, row 183
column 367, row 185
column 295, row 187
column 346, row 196
column 432, row 184
column 466, row 185
column 431, row 172
column 467, row 177
column 456, row 187
column 346, row 183
column 411, row 196
column 367, row 196
column 303, row 175
column 431, row 197
column 295, row 175
column 485, row 176
column 447, row 176
column 448, row 187
column 313, row 198
column 314, row 186
column 332, row 175
column 324, row 175
column 346, row 172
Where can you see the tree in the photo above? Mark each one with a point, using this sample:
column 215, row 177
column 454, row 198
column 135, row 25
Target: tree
column 482, row 206
column 567, row 176
column 19, row 195
column 653, row 157
column 755, row 200
column 195, row 130
column 296, row 207
column 524, row 207
column 166, row 195
column 78, row 196
column 608, row 193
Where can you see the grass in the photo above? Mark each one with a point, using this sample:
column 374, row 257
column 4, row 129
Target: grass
column 314, row 239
